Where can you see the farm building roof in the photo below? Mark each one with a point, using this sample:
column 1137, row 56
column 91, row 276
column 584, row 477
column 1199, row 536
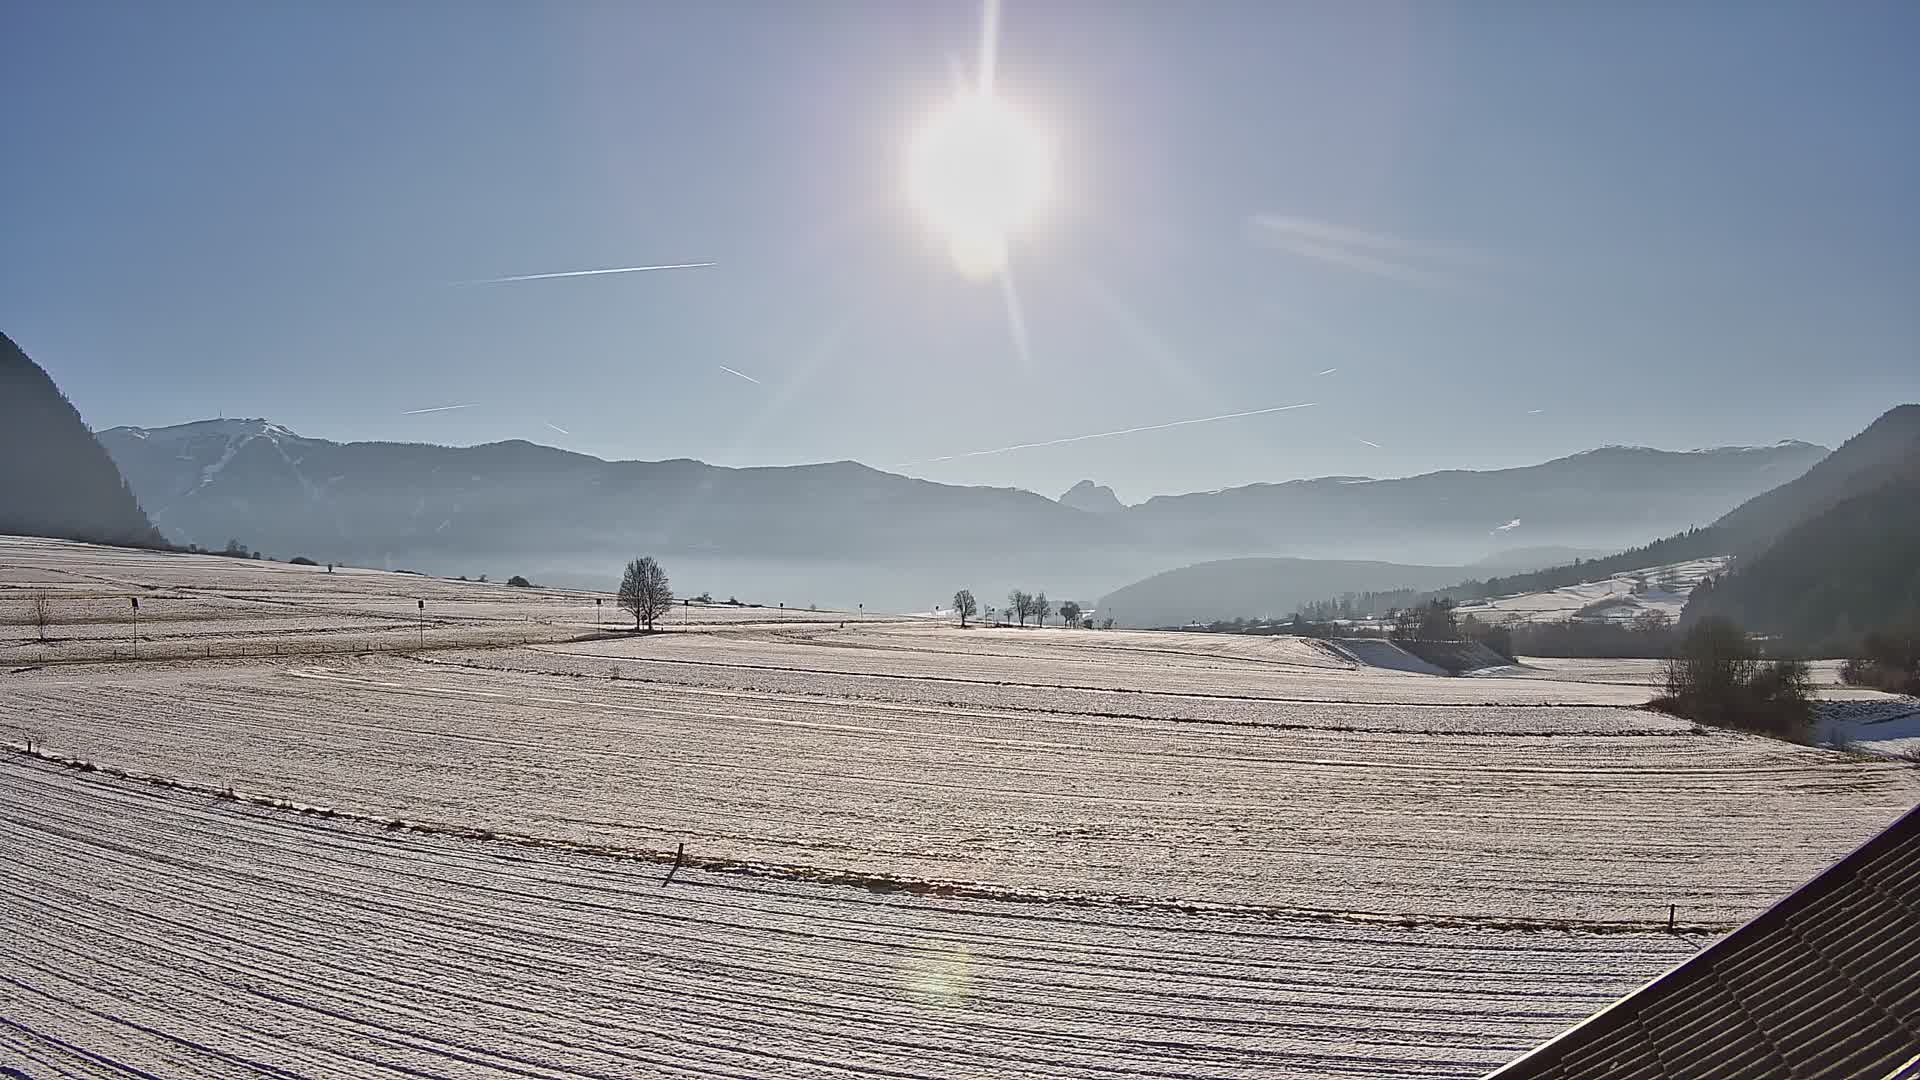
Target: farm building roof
column 1824, row 984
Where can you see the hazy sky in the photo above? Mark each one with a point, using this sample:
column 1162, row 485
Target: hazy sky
column 1672, row 224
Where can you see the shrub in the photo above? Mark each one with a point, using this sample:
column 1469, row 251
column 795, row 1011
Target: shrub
column 1649, row 635
column 301, row 560
column 1886, row 660
column 1495, row 636
column 1716, row 677
column 1431, row 621
column 518, row 582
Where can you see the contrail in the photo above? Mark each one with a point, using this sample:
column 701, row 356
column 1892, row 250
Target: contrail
column 558, row 428
column 436, row 408
column 586, row 273
column 1535, row 412
column 1329, row 371
column 1380, row 254
column 1370, row 442
column 742, row 374
column 1109, row 434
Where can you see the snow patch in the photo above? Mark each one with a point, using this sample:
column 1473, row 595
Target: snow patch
column 1614, row 598
column 1381, row 653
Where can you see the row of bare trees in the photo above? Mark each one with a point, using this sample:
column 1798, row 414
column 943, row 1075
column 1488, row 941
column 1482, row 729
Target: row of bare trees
column 1021, row 605
column 1024, row 605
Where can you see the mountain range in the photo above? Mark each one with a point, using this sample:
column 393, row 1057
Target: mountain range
column 1611, row 497
column 1818, row 560
column 841, row 532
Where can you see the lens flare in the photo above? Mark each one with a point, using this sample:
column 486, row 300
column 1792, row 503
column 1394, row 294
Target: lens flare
column 938, row 980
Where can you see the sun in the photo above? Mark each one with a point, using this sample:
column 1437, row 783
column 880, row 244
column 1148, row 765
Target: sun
column 978, row 171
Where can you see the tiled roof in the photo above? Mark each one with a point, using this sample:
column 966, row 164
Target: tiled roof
column 1824, row 984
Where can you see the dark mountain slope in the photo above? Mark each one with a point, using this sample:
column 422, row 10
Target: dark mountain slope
column 55, row 479
column 1851, row 567
column 1863, row 463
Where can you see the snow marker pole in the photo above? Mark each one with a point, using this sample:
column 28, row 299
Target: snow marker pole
column 678, row 858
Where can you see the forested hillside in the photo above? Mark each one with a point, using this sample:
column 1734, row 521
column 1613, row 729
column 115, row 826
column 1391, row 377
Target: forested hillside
column 1834, row 576
column 55, row 480
column 1885, row 449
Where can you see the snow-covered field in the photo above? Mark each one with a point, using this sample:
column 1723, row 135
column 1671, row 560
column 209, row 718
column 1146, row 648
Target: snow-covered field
column 154, row 930
column 1621, row 598
column 912, row 851
column 214, row 607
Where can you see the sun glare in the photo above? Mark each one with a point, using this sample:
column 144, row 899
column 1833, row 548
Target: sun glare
column 978, row 171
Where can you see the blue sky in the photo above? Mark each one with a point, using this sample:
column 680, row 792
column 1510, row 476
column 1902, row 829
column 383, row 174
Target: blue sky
column 1677, row 225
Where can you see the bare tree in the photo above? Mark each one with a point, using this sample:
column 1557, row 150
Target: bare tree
column 40, row 610
column 1070, row 613
column 645, row 592
column 1713, row 662
column 1041, row 608
column 1020, row 604
column 966, row 605
column 1716, row 676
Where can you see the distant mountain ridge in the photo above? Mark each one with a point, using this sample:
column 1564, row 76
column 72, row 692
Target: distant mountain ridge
column 1885, row 449
column 843, row 531
column 55, row 479
column 253, row 478
column 1256, row 588
column 1611, row 497
column 1091, row 497
column 1817, row 560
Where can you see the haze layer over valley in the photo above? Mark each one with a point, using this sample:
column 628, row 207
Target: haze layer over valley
column 843, row 533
